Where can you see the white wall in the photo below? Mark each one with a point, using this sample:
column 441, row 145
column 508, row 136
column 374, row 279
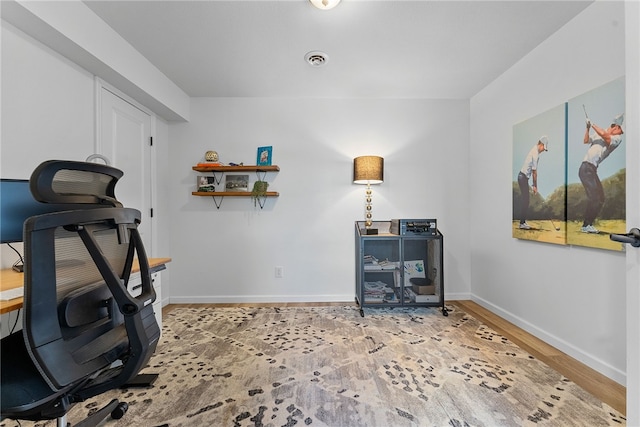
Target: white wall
column 572, row 297
column 230, row 254
column 47, row 106
column 48, row 112
column 72, row 29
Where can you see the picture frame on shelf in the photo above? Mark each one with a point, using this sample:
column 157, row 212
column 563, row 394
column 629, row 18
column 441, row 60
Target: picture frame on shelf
column 264, row 156
column 236, row 183
column 206, row 184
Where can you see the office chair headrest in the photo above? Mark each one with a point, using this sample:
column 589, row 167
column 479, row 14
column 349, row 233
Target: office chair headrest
column 72, row 182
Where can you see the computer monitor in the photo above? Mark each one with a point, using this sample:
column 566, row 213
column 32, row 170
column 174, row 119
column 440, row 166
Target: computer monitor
column 16, row 205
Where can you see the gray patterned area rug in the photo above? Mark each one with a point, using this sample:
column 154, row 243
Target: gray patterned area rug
column 327, row 366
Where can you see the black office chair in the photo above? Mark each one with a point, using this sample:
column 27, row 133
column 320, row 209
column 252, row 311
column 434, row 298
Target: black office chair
column 83, row 332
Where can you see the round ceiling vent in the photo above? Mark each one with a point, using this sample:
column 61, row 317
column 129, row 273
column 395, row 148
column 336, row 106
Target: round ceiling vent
column 316, row 58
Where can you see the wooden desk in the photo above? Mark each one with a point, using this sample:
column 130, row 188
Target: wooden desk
column 10, row 279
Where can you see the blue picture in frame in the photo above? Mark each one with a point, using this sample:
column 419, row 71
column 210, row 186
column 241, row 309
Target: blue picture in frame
column 264, row 156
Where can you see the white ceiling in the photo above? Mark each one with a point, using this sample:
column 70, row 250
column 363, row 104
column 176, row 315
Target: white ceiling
column 376, row 48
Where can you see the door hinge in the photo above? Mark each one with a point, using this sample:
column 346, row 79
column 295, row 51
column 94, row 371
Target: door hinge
column 151, row 141
column 151, row 212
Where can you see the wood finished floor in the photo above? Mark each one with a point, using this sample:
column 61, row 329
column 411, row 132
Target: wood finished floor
column 600, row 386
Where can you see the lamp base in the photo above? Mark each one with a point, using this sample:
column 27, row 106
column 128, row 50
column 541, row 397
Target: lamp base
column 370, row 231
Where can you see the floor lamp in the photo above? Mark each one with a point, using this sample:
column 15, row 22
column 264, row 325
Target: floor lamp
column 368, row 170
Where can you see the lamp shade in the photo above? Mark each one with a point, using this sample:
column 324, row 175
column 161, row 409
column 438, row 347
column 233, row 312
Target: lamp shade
column 368, row 170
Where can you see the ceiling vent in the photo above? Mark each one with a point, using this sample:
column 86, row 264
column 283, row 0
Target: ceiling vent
column 316, row 58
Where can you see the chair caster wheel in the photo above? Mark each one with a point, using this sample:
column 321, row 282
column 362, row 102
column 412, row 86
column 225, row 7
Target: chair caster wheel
column 120, row 410
column 445, row 312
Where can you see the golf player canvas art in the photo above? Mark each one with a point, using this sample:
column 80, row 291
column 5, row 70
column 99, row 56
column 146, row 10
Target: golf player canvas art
column 539, row 178
column 596, row 167
column 569, row 176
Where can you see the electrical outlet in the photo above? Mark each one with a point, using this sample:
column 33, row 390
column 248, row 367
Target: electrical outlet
column 279, row 273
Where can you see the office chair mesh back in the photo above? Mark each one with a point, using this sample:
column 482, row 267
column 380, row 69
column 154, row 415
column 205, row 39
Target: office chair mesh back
column 74, row 267
column 72, row 304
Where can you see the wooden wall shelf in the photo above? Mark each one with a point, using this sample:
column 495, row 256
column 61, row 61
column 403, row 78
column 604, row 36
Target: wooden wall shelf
column 232, row 193
column 218, row 196
column 222, row 168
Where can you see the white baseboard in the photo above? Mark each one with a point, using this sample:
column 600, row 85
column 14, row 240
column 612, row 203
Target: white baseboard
column 457, row 296
column 573, row 351
column 347, row 299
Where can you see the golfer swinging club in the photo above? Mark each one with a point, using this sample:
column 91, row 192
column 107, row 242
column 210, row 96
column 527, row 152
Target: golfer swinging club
column 600, row 146
column 529, row 169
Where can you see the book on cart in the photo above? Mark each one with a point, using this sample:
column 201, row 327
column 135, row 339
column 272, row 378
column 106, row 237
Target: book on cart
column 378, row 292
column 372, row 263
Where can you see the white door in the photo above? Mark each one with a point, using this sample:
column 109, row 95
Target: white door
column 633, row 284
column 124, row 137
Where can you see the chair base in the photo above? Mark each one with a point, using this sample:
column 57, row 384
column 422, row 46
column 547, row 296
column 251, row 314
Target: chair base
column 115, row 409
column 141, row 380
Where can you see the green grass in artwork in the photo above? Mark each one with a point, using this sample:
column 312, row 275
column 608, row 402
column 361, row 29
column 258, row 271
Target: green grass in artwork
column 542, row 231
column 569, row 233
column 602, row 240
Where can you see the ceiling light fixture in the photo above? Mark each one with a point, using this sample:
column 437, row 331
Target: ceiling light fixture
column 316, row 58
column 325, row 4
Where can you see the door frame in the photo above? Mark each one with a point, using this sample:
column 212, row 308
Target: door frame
column 99, row 86
column 632, row 133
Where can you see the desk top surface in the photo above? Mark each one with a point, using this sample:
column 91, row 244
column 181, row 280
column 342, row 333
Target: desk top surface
column 10, row 279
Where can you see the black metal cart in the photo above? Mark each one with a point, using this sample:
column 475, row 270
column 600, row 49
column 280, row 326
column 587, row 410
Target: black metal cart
column 399, row 270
